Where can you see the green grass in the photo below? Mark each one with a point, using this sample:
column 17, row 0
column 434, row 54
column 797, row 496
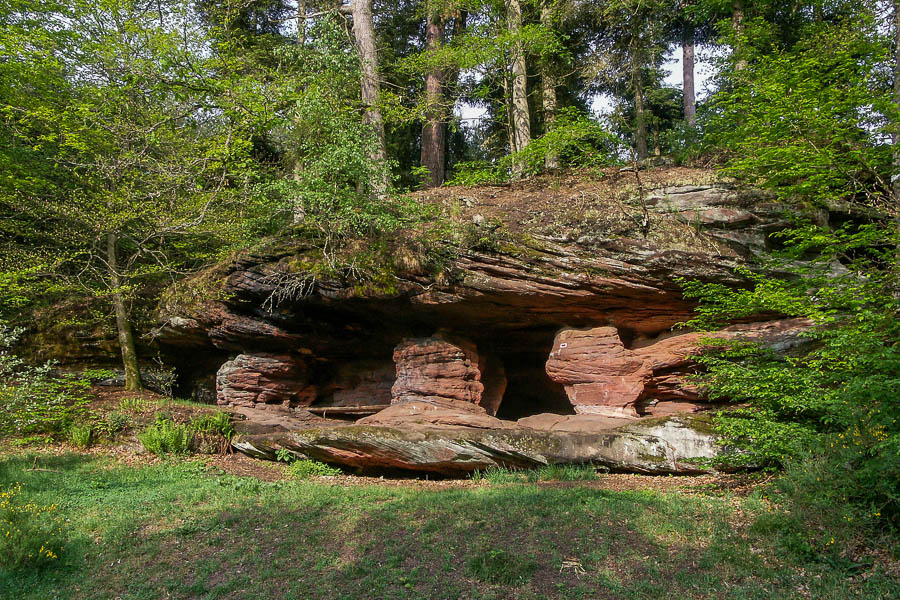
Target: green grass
column 304, row 469
column 80, row 435
column 184, row 530
column 501, row 475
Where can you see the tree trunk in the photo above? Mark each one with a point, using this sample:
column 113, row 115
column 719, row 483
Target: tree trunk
column 510, row 126
column 640, row 116
column 687, row 72
column 737, row 23
column 364, row 33
column 895, row 177
column 123, row 324
column 548, row 91
column 301, row 23
column 521, row 118
column 299, row 211
column 434, row 130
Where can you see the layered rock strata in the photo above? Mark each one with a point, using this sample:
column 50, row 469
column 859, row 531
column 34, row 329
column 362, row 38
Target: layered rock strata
column 595, row 296
column 601, row 376
column 659, row 446
column 263, row 381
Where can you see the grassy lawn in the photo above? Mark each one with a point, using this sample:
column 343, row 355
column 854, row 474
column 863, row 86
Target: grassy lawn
column 187, row 530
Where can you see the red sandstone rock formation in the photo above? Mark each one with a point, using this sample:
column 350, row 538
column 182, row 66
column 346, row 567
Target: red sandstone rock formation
column 448, row 373
column 601, row 376
column 263, row 381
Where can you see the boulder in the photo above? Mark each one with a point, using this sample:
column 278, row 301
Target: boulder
column 601, row 376
column 435, row 370
column 660, row 446
column 263, row 381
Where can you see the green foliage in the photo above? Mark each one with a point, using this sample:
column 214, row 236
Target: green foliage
column 502, row 475
column 476, row 172
column 132, row 404
column 498, row 475
column 808, row 118
column 34, row 399
column 495, row 565
column 284, row 455
column 79, row 434
column 207, row 434
column 567, row 473
column 124, row 163
column 811, row 121
column 211, row 434
column 95, row 375
column 306, row 468
column 118, row 421
column 166, row 437
column 216, row 423
column 31, row 535
column 577, row 140
column 839, row 395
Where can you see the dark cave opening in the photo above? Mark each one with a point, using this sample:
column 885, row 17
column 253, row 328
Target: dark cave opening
column 529, row 391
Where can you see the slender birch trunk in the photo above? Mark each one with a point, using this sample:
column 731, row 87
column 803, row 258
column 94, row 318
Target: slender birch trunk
column 521, row 119
column 123, row 324
column 364, row 33
column 737, row 23
column 687, row 73
column 434, row 130
column 548, row 90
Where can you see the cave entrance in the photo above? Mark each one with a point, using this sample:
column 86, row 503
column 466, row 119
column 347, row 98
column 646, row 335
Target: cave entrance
column 529, row 391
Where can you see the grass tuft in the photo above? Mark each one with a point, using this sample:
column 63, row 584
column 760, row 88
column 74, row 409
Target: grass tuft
column 502, row 475
column 80, row 435
column 304, row 469
column 494, row 565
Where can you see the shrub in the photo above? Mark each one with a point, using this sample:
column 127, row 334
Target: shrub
column 32, row 399
column 165, row 436
column 217, row 423
column 30, row 534
column 80, row 435
column 132, row 403
column 211, row 434
column 499, row 566
column 304, row 469
column 118, row 421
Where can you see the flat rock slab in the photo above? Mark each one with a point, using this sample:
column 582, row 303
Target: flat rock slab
column 653, row 446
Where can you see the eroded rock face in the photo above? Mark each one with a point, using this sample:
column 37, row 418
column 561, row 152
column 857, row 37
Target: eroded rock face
column 447, row 372
column 657, row 447
column 263, row 381
column 601, row 376
column 599, row 299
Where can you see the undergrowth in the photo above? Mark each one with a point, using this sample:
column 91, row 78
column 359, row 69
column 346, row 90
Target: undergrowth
column 500, row 475
column 30, row 534
column 306, row 468
column 207, row 434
